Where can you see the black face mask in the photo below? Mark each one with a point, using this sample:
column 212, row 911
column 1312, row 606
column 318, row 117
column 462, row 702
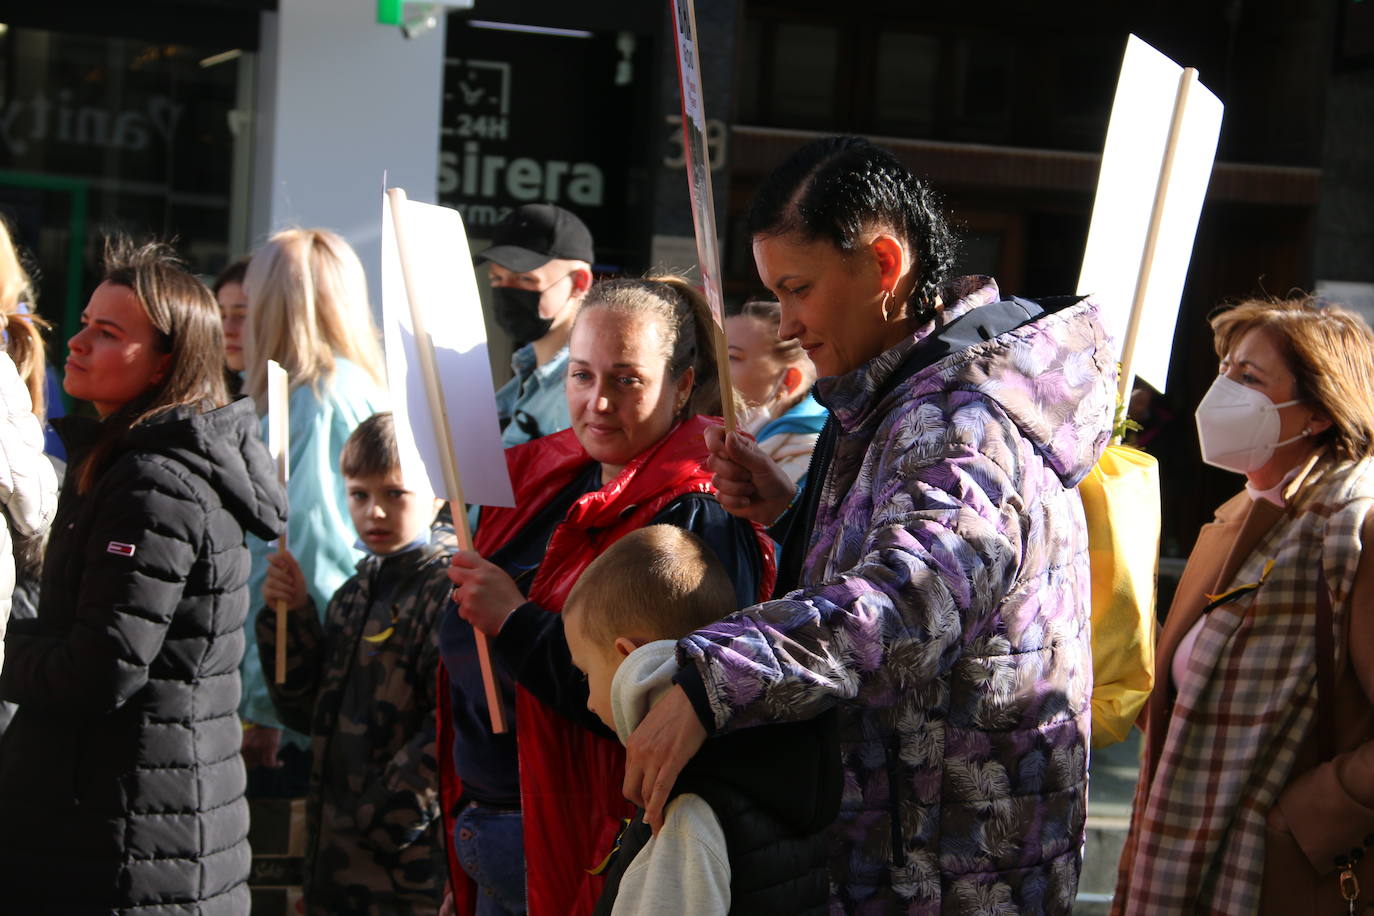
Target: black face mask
column 517, row 313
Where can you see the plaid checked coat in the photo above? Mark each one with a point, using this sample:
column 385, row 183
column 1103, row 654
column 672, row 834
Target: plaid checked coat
column 1322, row 808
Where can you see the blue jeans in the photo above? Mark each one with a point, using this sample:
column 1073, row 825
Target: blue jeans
column 491, row 849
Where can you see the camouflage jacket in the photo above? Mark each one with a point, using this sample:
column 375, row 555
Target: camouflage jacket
column 362, row 685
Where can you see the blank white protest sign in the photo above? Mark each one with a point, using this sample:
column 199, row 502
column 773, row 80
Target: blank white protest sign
column 1127, row 231
column 441, row 277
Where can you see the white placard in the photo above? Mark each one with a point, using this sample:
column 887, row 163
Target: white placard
column 696, row 155
column 279, row 426
column 443, row 282
column 697, row 158
column 1124, row 211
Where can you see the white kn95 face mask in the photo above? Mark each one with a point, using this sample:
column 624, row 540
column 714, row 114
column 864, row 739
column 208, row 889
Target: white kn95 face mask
column 1239, row 426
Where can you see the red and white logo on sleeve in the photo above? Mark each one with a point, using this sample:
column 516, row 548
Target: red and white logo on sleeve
column 119, row 550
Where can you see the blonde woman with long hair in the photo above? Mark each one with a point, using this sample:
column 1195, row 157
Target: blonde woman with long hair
column 308, row 310
column 28, row 484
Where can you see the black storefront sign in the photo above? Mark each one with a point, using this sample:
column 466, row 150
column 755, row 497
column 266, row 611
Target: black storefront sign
column 561, row 118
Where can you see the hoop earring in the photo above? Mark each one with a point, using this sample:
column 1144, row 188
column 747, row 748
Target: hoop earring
column 887, row 300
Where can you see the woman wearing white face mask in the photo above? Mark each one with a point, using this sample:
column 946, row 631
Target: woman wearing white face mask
column 774, row 377
column 1256, row 789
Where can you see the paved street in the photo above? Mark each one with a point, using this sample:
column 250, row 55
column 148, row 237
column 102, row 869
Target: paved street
column 1112, row 776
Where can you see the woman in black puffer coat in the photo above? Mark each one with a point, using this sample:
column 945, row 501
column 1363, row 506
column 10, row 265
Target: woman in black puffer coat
column 121, row 783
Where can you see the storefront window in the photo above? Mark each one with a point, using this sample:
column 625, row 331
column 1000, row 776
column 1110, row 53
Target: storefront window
column 102, row 134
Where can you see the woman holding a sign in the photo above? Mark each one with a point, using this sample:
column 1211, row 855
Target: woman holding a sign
column 121, row 785
column 934, row 572
column 308, row 310
column 641, row 385
column 1256, row 790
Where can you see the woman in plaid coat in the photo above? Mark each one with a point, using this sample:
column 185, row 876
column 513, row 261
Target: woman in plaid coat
column 1258, row 773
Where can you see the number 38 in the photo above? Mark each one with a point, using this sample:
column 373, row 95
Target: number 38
column 716, row 139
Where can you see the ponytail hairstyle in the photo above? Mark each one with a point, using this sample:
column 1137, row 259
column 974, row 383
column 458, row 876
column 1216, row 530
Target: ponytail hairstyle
column 24, row 329
column 689, row 332
column 839, row 188
column 185, row 316
column 307, row 307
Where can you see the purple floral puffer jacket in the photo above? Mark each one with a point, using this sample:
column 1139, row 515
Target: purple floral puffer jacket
column 944, row 611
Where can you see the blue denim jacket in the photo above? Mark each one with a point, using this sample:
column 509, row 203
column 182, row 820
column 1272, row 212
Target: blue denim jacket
column 533, row 404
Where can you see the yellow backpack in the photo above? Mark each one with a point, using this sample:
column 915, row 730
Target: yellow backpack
column 1121, row 501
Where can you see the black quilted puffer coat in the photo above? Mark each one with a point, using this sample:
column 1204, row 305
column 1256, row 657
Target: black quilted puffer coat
column 121, row 783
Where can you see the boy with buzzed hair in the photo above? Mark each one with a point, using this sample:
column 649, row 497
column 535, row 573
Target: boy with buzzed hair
column 745, row 829
column 363, row 686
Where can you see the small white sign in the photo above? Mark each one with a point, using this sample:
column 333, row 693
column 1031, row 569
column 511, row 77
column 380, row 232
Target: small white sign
column 696, row 156
column 1133, row 161
column 279, row 426
column 441, row 278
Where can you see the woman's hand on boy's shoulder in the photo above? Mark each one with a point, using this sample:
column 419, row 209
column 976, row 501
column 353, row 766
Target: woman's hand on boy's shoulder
column 285, row 582
column 484, row 593
column 658, row 749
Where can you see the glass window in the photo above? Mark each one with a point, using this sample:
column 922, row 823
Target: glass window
column 750, row 53
column 904, row 89
column 101, row 133
column 805, row 64
column 982, row 90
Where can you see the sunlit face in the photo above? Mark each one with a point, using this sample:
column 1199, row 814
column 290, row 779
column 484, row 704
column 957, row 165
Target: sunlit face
column 832, row 303
column 386, row 515
column 117, row 355
column 620, row 397
column 755, row 367
column 233, row 311
column 1257, row 361
column 599, row 663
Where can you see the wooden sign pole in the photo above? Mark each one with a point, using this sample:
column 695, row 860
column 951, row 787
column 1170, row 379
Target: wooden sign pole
column 434, row 394
column 1126, row 379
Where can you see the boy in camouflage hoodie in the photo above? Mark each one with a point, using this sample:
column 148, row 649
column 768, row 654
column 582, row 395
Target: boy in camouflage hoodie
column 362, row 685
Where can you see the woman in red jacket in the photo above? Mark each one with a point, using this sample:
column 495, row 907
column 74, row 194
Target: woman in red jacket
column 641, row 375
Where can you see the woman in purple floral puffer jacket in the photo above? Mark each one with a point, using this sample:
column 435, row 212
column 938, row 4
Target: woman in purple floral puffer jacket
column 934, row 577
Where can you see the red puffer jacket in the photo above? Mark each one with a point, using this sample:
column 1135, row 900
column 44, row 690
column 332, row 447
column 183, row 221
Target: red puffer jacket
column 570, row 779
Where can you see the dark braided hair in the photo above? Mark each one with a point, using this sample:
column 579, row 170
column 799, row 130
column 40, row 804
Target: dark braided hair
column 836, row 188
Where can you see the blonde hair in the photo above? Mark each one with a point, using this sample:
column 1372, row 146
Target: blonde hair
column 307, row 307
column 1330, row 352
column 689, row 329
column 658, row 582
column 788, row 352
column 25, row 330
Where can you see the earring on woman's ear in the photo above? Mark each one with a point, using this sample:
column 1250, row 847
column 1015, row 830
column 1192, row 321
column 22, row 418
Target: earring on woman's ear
column 887, row 300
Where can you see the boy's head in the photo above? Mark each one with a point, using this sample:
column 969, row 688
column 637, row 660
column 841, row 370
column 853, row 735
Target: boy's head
column 659, row 582
column 387, row 514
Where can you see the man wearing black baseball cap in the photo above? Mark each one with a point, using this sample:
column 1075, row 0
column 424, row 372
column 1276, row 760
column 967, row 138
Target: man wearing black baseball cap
column 540, row 267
